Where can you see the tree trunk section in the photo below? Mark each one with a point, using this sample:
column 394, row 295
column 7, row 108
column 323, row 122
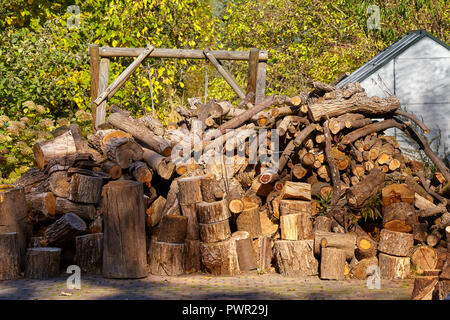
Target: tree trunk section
column 359, row 271
column 396, row 243
column 85, row 211
column 424, row 287
column 9, row 256
column 294, row 206
column 140, row 172
column 59, row 183
column 323, row 223
column 211, row 191
column 42, row 263
column 123, row 151
column 190, row 190
column 332, row 264
column 58, row 147
column 392, row 267
column 156, row 211
column 210, row 212
column 215, row 232
column 89, row 253
column 190, row 211
column 173, row 229
column 365, row 248
column 295, row 258
column 192, row 256
column 397, row 192
column 263, row 250
column 43, row 203
column 345, row 241
column 161, row 165
column 220, row 258
column 296, row 190
column 85, row 189
column 358, row 195
column 400, row 217
column 424, row 258
column 167, row 259
column 124, row 252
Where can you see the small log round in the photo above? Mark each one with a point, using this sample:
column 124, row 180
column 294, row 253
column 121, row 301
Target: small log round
column 89, row 253
column 9, row 256
column 396, row 243
column 42, row 263
column 393, row 267
column 173, row 229
column 215, row 232
column 365, row 248
column 359, row 271
column 332, row 264
column 220, row 258
column 210, row 212
column 63, row 230
column 85, row 189
column 167, row 259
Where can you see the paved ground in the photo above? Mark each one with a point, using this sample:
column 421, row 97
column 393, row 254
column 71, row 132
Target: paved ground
column 202, row 287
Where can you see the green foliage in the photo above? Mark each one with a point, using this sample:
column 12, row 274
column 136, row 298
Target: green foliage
column 372, row 209
column 323, row 203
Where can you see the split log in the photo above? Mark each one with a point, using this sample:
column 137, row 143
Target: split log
column 220, row 258
column 85, row 211
column 215, row 232
column 167, row 259
column 192, row 256
column 210, row 212
column 161, row 165
column 190, row 211
column 124, row 228
column 359, row 271
column 43, row 203
column 424, row 258
column 393, row 267
column 263, row 251
column 59, row 183
column 210, row 188
column 89, row 253
column 173, row 229
column 358, row 195
column 332, row 264
column 396, row 243
column 155, row 211
column 365, row 248
column 295, row 258
column 424, row 287
column 296, row 226
column 85, row 189
column 397, row 193
column 249, row 220
column 190, row 190
column 322, row 223
column 296, row 190
column 42, row 263
column 59, row 146
column 268, row 228
column 64, row 230
column 345, row 241
column 400, row 217
column 141, row 133
column 294, row 206
column 9, row 256
column 244, row 250
column 140, row 172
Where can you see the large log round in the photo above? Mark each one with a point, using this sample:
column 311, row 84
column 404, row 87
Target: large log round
column 399, row 216
column 295, row 258
column 332, row 264
column 190, row 190
column 215, row 232
column 396, row 243
column 220, row 258
column 424, row 258
column 9, row 256
column 42, row 263
column 392, row 267
column 210, row 212
column 167, row 259
column 124, row 251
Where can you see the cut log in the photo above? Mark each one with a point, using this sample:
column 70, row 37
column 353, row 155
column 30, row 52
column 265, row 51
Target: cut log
column 161, row 165
column 397, row 193
column 59, row 183
column 192, row 256
column 85, row 189
column 249, row 220
column 296, row 226
column 295, row 258
column 167, row 259
column 111, row 168
column 396, row 243
column 393, row 268
column 420, row 232
column 322, row 223
column 424, row 258
column 58, row 147
column 173, row 229
column 190, row 190
column 9, row 256
column 294, row 206
column 43, row 203
column 332, row 264
column 359, row 271
column 210, row 212
column 64, row 230
column 210, row 188
column 85, row 211
column 140, row 172
column 244, row 250
column 424, row 287
column 345, row 241
column 365, row 248
column 123, row 151
column 215, row 232
column 399, row 216
column 140, row 132
column 296, row 190
column 124, row 228
column 358, row 195
column 89, row 253
column 220, row 258
column 155, row 211
column 263, row 251
column 42, row 263
column 433, row 238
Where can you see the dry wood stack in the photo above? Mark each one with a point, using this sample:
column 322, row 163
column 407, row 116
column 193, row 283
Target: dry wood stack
column 335, row 165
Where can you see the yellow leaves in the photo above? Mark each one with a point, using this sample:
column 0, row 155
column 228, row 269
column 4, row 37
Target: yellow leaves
column 115, row 43
column 191, row 43
column 181, row 84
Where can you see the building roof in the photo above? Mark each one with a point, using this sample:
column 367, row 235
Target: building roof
column 387, row 55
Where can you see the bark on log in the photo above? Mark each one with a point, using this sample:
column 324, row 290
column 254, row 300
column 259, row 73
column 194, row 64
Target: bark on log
column 167, row 259
column 424, row 258
column 396, row 243
column 332, row 264
column 124, row 252
column 210, row 188
column 295, row 258
column 43, row 203
column 424, row 287
column 156, row 211
column 96, row 226
column 9, row 256
column 359, row 271
column 397, row 193
column 163, row 166
column 400, row 217
column 192, row 256
column 371, row 128
column 140, row 172
column 393, row 267
column 190, row 190
column 359, row 194
column 123, row 151
column 42, row 263
column 85, row 189
column 85, row 211
column 263, row 251
column 322, row 223
column 190, row 211
column 59, row 146
column 365, row 248
column 296, row 190
column 210, row 212
column 89, row 253
column 173, row 229
column 296, row 226
column 111, row 168
column 220, row 258
column 244, row 250
column 64, row 230
column 215, row 232
column 345, row 241
column 249, row 220
column 59, row 183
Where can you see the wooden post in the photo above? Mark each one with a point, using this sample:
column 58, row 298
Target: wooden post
column 252, row 72
column 261, row 82
column 94, row 61
column 102, row 85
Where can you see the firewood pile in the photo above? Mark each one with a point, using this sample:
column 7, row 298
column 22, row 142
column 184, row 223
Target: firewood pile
column 333, row 197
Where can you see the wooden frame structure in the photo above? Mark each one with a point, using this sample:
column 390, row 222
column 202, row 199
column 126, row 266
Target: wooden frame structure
column 101, row 92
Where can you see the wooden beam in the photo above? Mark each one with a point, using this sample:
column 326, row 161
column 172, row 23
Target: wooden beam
column 180, row 53
column 123, row 77
column 261, row 82
column 94, row 62
column 102, row 85
column 225, row 74
column 252, row 72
